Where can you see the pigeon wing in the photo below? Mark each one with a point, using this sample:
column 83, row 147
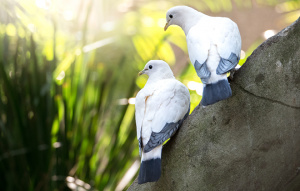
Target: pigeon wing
column 140, row 101
column 228, row 40
column 198, row 47
column 169, row 107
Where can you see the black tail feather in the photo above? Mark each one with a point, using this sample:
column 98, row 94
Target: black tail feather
column 215, row 92
column 150, row 171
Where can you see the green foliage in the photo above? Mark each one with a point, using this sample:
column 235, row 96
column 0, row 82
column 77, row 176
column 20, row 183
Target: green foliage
column 27, row 111
column 59, row 111
column 53, row 128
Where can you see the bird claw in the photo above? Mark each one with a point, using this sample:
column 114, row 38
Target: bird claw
column 231, row 74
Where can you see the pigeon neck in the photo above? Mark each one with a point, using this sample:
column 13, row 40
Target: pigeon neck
column 189, row 23
column 159, row 76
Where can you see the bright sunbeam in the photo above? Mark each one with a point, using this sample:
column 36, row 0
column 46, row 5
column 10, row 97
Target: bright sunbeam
column 195, row 86
column 243, row 54
column 128, row 175
column 98, row 44
column 77, row 184
column 44, row 4
column 269, row 33
column 131, row 100
column 61, row 75
column 68, row 15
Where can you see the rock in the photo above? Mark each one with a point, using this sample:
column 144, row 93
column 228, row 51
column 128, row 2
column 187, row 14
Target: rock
column 250, row 141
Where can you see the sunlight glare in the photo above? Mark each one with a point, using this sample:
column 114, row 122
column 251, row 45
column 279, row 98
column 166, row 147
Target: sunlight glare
column 43, row 4
column 78, row 51
column 61, row 75
column 68, row 15
column 237, row 66
column 87, row 186
column 57, row 145
column 71, row 185
column 128, row 175
column 123, row 101
column 243, row 54
column 31, row 27
column 199, row 91
column 79, row 182
column 195, row 86
column 148, row 21
column 269, row 33
column 10, row 30
column 124, row 7
column 70, row 179
column 161, row 22
column 108, row 26
column 192, row 85
column 131, row 100
column 98, row 44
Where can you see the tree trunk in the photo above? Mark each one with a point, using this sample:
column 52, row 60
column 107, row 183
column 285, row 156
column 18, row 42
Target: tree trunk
column 250, row 141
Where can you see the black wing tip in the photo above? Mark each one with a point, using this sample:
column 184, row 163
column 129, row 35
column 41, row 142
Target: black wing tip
column 148, row 148
column 215, row 92
column 167, row 132
column 202, row 71
column 150, row 171
column 225, row 65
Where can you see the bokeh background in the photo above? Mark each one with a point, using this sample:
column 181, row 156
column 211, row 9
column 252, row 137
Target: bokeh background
column 68, row 78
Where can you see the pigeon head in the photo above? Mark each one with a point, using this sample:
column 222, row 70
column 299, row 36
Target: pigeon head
column 183, row 16
column 157, row 70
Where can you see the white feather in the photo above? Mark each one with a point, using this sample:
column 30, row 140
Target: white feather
column 154, row 154
column 208, row 38
column 211, row 38
column 161, row 101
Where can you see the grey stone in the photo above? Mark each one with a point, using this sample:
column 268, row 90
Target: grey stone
column 250, row 141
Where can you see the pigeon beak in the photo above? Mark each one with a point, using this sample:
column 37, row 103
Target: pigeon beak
column 166, row 26
column 142, row 72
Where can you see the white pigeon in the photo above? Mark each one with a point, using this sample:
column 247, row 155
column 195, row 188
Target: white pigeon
column 160, row 108
column 214, row 46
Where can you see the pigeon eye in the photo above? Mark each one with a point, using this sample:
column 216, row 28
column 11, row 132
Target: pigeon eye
column 171, row 16
column 150, row 67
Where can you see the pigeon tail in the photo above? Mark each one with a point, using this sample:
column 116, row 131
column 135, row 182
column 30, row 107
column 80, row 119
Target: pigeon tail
column 150, row 171
column 215, row 92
